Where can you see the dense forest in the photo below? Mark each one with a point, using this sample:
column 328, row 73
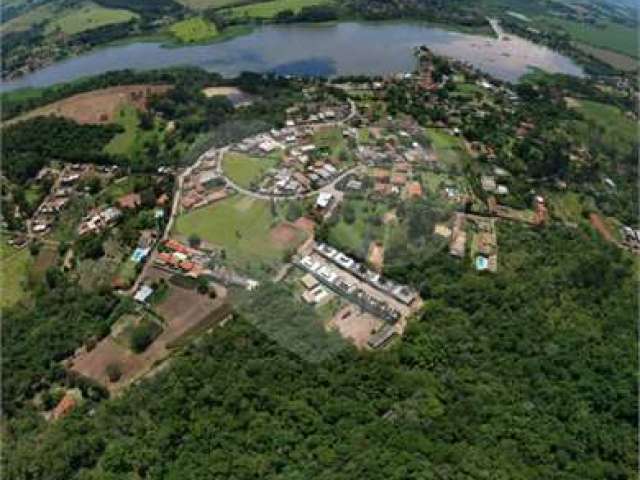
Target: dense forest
column 528, row 373
column 30, row 145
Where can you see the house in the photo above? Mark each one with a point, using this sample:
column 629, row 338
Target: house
column 324, row 200
column 67, row 404
column 399, row 179
column 414, row 190
column 381, row 174
column 143, row 293
column 488, row 183
column 309, row 281
column 130, row 201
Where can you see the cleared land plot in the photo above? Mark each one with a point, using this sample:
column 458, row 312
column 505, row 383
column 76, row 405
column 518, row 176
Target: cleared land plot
column 354, row 325
column 243, row 226
column 13, row 278
column 195, row 29
column 182, row 309
column 271, row 9
column 98, row 106
column 88, row 17
column 47, row 257
column 245, row 170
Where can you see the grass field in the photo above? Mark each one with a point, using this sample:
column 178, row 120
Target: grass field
column 612, row 36
column 195, row 29
column 132, row 140
column 449, row 149
column 245, row 170
column 30, row 18
column 88, row 17
column 615, row 59
column 357, row 236
column 204, row 4
column 271, row 9
column 242, row 226
column 620, row 130
column 15, row 270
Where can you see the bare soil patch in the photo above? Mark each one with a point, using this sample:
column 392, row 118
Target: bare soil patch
column 376, row 255
column 98, row 106
column 183, row 310
column 601, row 227
column 306, row 224
column 286, row 235
column 221, row 91
column 354, row 325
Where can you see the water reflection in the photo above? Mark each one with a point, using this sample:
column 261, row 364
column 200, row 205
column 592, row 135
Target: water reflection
column 345, row 48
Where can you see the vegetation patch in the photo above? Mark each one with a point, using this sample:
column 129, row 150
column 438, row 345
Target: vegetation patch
column 88, row 17
column 245, row 170
column 192, row 30
column 241, row 226
column 15, row 269
column 271, row 9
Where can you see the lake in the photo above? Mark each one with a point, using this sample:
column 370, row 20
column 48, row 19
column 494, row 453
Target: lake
column 327, row 50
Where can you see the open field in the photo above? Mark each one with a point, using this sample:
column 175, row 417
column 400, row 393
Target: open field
column 448, row 148
column 243, row 226
column 132, row 141
column 195, row 29
column 615, row 59
column 98, row 106
column 15, row 269
column 244, row 169
column 354, row 325
column 357, row 236
column 616, row 126
column 30, row 18
column 611, row 36
column 271, row 9
column 88, row 17
column 205, row 4
column 47, row 257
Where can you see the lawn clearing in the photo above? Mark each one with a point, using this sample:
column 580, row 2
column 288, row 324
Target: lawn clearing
column 131, row 142
column 449, row 149
column 205, row 4
column 195, row 29
column 15, row 269
column 243, row 226
column 246, row 171
column 615, row 59
column 620, row 130
column 47, row 257
column 88, row 17
column 271, row 9
column 610, row 36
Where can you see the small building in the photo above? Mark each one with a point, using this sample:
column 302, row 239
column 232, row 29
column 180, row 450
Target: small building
column 309, row 281
column 143, row 293
column 324, row 200
column 130, row 201
column 488, row 183
column 399, row 179
column 414, row 190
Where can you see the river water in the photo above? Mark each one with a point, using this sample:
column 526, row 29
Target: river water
column 336, row 49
